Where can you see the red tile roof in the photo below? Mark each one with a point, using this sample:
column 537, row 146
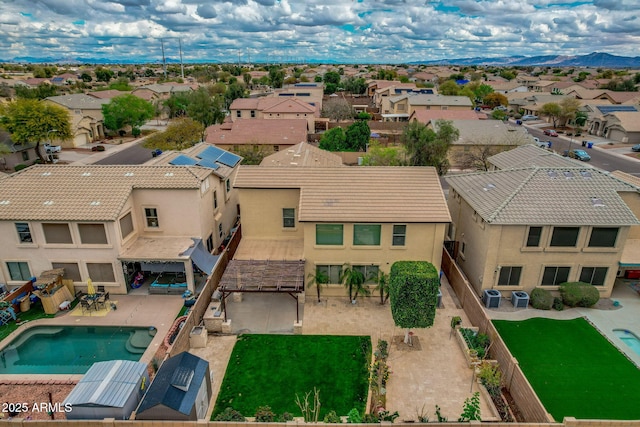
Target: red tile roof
column 425, row 116
column 258, row 132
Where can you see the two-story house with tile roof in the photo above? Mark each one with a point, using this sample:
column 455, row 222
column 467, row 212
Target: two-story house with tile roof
column 519, row 229
column 107, row 223
column 87, row 122
column 258, row 134
column 401, row 107
column 367, row 218
column 274, row 108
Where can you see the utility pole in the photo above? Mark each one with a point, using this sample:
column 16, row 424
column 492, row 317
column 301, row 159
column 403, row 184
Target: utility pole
column 181, row 64
column 164, row 60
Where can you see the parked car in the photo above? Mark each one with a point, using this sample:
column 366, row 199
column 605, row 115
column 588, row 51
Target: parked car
column 51, row 148
column 156, row 152
column 636, row 148
column 581, row 155
column 550, row 132
column 528, row 117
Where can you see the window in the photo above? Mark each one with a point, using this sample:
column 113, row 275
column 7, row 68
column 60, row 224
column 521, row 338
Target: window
column 215, row 199
column 593, row 275
column 253, row 114
column 288, row 218
column 370, row 272
column 238, row 113
column 603, row 237
column 19, row 271
column 152, row 217
column 228, row 186
column 92, row 234
column 210, row 242
column 25, row 155
column 126, row 225
column 56, row 233
column 553, row 276
column 533, row 239
column 509, row 276
column 329, row 234
column 220, row 230
column 24, row 232
column 101, row 272
column 71, row 270
column 399, row 235
column 565, row 236
column 276, row 148
column 366, row 234
column 333, row 272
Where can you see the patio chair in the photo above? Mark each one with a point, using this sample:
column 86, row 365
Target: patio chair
column 86, row 305
column 102, row 300
column 101, row 289
column 5, row 317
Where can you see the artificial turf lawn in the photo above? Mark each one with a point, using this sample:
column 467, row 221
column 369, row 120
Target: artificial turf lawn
column 574, row 370
column 272, row 369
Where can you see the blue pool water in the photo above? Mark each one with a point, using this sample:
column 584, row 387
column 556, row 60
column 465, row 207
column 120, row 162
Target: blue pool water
column 72, row 349
column 629, row 338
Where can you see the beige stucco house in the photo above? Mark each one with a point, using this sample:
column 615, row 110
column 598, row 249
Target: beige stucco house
column 87, row 122
column 109, row 222
column 367, row 217
column 274, row 108
column 519, row 229
column 401, row 107
column 258, row 134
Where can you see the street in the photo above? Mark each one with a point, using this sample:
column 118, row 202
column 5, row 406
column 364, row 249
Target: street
column 134, row 154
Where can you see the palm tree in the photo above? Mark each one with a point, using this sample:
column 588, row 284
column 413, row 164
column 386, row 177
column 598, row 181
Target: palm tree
column 354, row 281
column 318, row 280
column 382, row 282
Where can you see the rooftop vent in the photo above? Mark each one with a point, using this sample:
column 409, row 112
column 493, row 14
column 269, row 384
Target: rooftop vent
column 552, row 174
column 95, row 203
column 86, row 174
column 568, row 174
column 4, row 202
column 597, row 202
column 489, row 186
column 128, row 174
column 168, row 174
column 585, row 174
column 46, row 174
column 48, row 203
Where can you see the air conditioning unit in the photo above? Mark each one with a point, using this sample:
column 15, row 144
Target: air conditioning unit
column 491, row 298
column 520, row 299
column 439, row 298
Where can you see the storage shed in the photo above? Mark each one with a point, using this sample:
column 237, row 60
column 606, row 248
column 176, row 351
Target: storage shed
column 111, row 389
column 180, row 391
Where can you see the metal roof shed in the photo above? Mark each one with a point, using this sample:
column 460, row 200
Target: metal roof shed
column 180, row 391
column 109, row 389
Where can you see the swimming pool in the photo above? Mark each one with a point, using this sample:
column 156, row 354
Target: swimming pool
column 72, row 349
column 629, row 338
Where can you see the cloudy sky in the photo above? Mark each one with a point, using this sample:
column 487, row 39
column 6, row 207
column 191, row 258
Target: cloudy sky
column 354, row 31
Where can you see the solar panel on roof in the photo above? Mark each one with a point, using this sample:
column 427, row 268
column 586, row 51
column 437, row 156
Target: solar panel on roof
column 211, row 152
column 183, row 160
column 229, row 159
column 208, row 163
column 605, row 109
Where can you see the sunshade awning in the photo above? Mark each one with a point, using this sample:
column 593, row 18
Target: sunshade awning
column 201, row 257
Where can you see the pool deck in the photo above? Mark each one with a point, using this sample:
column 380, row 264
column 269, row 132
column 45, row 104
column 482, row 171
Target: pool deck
column 627, row 317
column 158, row 311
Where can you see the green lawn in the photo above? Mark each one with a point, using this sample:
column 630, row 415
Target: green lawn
column 271, row 369
column 34, row 313
column 574, row 370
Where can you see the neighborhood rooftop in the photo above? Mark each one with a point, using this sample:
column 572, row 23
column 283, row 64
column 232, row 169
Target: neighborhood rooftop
column 531, row 155
column 86, row 192
column 543, row 196
column 377, row 194
column 303, row 154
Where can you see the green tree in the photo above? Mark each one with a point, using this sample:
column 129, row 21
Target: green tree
column 378, row 155
column 276, row 76
column 103, row 74
column 355, row 85
column 480, row 90
column 553, row 110
column 428, row 148
column 508, row 74
column 332, row 77
column 319, row 279
column 449, row 88
column 126, row 110
column 180, row 134
column 204, row 108
column 30, row 120
column 253, row 154
column 495, row 99
column 42, row 91
column 354, row 280
column 121, row 84
column 358, row 135
column 382, row 286
column 413, row 291
column 234, row 91
column 86, row 77
column 177, row 104
column 333, row 140
column 247, row 78
column 568, row 109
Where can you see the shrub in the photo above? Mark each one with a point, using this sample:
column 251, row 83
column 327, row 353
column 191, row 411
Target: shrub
column 332, row 418
column 286, row 416
column 135, row 132
column 354, row 417
column 557, row 304
column 541, row 299
column 475, row 341
column 19, row 167
column 264, row 414
column 230, row 414
column 579, row 294
column 370, row 419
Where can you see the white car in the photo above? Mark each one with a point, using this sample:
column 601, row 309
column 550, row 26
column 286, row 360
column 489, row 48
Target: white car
column 529, row 117
column 51, row 148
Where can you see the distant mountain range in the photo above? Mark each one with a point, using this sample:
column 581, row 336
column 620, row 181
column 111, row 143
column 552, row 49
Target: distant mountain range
column 594, row 60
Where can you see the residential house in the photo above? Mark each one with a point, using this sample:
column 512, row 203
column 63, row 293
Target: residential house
column 367, row 217
column 87, row 122
column 160, row 91
column 303, row 155
column 616, row 122
column 520, row 229
column 401, row 107
column 426, row 116
column 311, row 93
column 107, row 94
column 274, row 108
column 482, row 137
column 109, row 222
column 507, row 87
column 17, row 154
column 630, row 260
column 258, row 134
column 530, row 155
